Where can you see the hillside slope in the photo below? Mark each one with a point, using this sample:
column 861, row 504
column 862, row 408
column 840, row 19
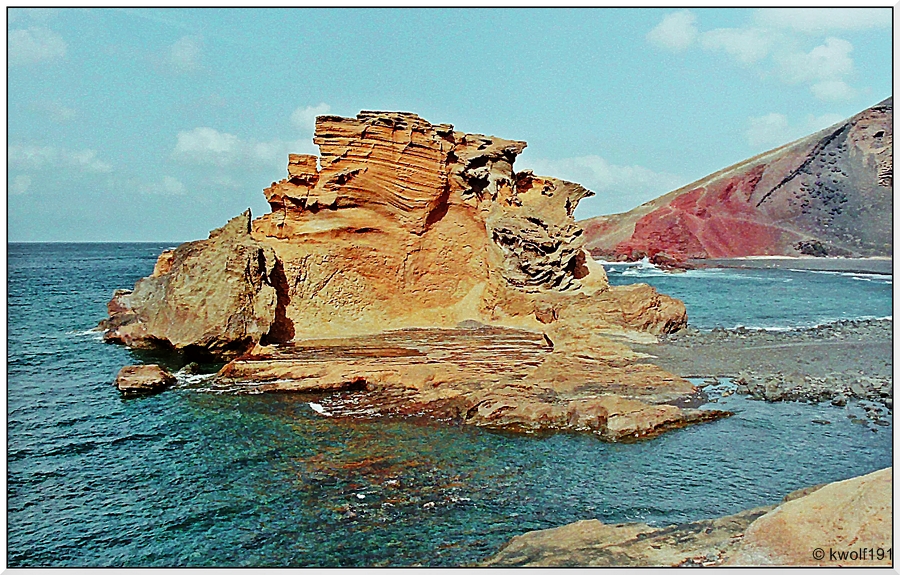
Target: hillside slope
column 830, row 193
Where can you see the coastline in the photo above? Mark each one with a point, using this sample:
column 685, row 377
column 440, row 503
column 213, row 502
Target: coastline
column 831, row 362
column 873, row 265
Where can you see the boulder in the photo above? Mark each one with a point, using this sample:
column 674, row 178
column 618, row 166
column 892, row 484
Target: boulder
column 840, row 519
column 208, row 297
column 143, row 379
column 843, row 517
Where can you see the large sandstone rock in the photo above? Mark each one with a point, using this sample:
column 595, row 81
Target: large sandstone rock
column 843, row 517
column 830, row 193
column 399, row 223
column 375, row 251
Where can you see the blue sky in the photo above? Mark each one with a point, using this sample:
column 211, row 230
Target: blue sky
column 159, row 125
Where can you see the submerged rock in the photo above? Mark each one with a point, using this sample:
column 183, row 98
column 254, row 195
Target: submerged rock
column 143, row 379
column 844, row 516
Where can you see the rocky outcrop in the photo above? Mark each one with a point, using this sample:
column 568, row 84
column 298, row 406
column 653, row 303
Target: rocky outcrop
column 143, row 379
column 818, row 526
column 829, row 194
column 478, row 375
column 372, row 256
column 399, row 223
column 840, row 519
column 212, row 296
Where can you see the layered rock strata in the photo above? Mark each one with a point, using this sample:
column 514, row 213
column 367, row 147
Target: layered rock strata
column 403, row 225
column 478, row 375
column 819, row 526
column 829, row 194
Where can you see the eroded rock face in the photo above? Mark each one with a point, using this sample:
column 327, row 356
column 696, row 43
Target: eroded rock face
column 212, row 296
column 829, row 194
column 409, row 224
column 377, row 250
column 843, row 516
column 399, row 223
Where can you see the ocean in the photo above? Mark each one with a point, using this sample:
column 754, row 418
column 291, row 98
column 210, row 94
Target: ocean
column 194, row 478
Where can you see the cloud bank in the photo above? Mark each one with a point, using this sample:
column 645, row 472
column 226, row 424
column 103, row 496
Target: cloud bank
column 769, row 44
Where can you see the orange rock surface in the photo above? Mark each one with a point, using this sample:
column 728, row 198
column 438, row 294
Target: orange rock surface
column 402, row 225
column 821, row 526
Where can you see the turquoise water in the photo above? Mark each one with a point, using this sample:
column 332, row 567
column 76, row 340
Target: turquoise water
column 771, row 299
column 190, row 478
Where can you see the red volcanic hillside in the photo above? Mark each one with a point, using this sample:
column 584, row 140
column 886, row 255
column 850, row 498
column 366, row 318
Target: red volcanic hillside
column 830, row 193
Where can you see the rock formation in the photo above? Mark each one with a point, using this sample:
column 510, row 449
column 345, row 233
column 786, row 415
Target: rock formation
column 397, row 228
column 212, row 296
column 829, row 194
column 843, row 517
column 143, row 379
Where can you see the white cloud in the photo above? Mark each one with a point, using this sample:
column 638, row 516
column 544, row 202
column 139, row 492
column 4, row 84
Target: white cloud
column 619, row 188
column 34, row 45
column 168, row 186
column 207, row 146
column 677, row 31
column 20, row 185
column 824, row 20
column 772, row 130
column 833, row 90
column 210, row 147
column 816, row 123
column 827, row 61
column 745, row 45
column 55, row 111
column 769, row 130
column 771, row 46
column 22, row 15
column 25, row 157
column 185, row 55
column 304, row 119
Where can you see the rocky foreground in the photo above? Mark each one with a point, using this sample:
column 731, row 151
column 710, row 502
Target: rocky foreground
column 375, row 257
column 846, row 523
column 851, row 359
column 829, row 194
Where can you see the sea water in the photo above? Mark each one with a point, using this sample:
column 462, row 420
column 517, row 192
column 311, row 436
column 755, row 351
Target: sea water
column 765, row 298
column 191, row 478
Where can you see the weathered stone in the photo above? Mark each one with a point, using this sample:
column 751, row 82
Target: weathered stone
column 401, row 226
column 209, row 296
column 489, row 377
column 143, row 379
column 843, row 516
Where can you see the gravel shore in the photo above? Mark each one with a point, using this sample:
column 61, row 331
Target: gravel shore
column 835, row 362
column 882, row 265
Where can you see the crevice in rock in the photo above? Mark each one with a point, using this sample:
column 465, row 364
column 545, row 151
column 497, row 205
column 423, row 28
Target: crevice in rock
column 282, row 328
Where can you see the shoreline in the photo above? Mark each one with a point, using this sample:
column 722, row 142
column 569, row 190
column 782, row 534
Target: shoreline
column 833, row 362
column 873, row 265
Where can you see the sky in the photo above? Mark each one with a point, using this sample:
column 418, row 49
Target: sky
column 161, row 124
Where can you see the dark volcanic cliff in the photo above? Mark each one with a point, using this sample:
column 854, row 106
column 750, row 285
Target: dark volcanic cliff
column 830, row 193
